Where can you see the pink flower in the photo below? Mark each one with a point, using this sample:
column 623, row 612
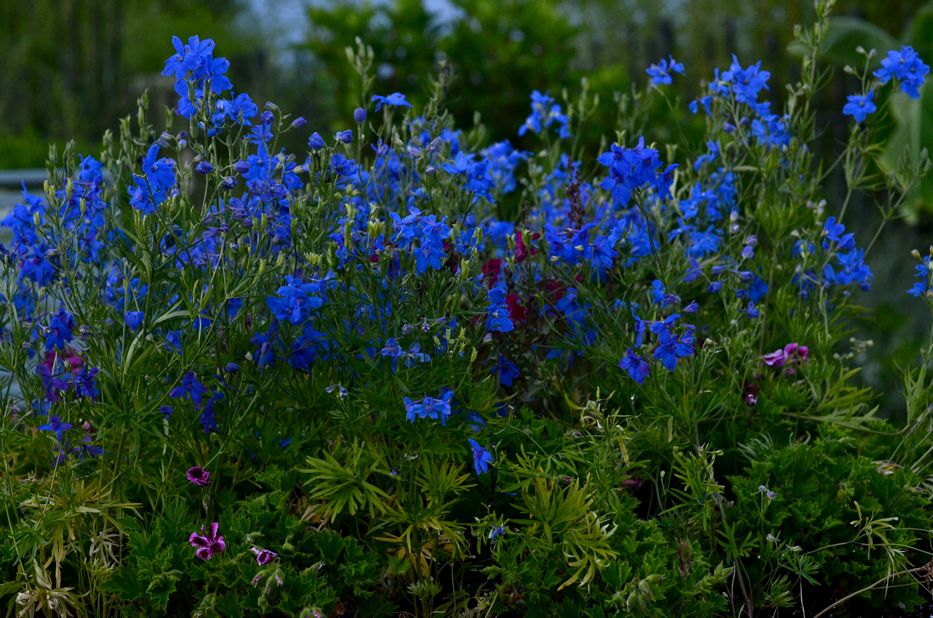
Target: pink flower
column 263, row 556
column 792, row 355
column 774, row 359
column 208, row 544
column 199, row 476
column 796, row 350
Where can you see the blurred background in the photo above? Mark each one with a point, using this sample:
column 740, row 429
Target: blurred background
column 69, row 69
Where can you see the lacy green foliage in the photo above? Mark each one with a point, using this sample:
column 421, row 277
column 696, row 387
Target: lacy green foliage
column 438, row 376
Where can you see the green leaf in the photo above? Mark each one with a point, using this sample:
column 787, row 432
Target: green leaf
column 920, row 32
column 913, row 133
column 846, row 34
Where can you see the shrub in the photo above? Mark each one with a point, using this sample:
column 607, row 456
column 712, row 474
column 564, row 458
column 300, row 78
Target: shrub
column 408, row 371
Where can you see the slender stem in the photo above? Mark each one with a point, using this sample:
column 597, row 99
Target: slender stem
column 851, row 596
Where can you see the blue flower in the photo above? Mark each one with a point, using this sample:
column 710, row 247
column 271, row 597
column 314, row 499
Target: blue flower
column 835, row 232
column 746, row 83
column 711, row 155
column 189, row 388
column 906, row 67
column 425, row 236
column 392, row 349
column 295, row 301
column 345, row 136
column 544, row 113
column 429, row 407
column 923, row 273
column 192, row 58
column 507, row 371
column 860, row 106
column 316, row 142
column 635, row 366
column 134, row 320
column 670, row 345
column 396, row 99
column 262, row 133
column 481, row 458
column 660, row 73
column 59, row 331
column 478, row 179
column 156, row 185
column 240, row 110
column 173, row 341
column 193, row 66
column 498, row 319
column 631, row 169
column 56, row 425
column 853, row 270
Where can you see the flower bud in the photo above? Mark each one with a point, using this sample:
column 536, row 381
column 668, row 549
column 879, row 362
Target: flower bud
column 316, row 142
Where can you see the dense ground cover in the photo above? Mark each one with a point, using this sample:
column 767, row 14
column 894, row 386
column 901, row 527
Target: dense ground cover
column 410, row 371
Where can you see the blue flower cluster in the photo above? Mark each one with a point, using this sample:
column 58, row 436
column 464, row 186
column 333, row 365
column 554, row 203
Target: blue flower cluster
column 744, row 86
column 425, row 225
column 545, row 112
column 668, row 346
column 905, row 67
column 156, row 184
column 841, row 263
column 923, row 273
column 196, row 72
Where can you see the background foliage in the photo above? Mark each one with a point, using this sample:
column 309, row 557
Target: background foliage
column 436, row 374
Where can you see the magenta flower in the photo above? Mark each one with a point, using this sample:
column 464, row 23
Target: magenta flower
column 795, row 354
column 208, row 544
column 792, row 355
column 774, row 359
column 263, row 556
column 795, row 350
column 199, row 476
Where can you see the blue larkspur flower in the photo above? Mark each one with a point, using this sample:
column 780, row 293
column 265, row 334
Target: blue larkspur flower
column 316, row 142
column 906, row 67
column 481, row 457
column 190, row 388
column 429, row 407
column 133, row 320
column 660, row 73
column 396, row 99
column 860, row 106
column 923, row 273
column 545, row 112
column 635, row 366
column 156, row 185
column 498, row 319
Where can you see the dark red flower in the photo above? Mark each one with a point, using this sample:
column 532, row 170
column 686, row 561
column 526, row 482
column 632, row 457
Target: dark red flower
column 522, row 251
column 555, row 290
column 491, row 270
column 517, row 313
